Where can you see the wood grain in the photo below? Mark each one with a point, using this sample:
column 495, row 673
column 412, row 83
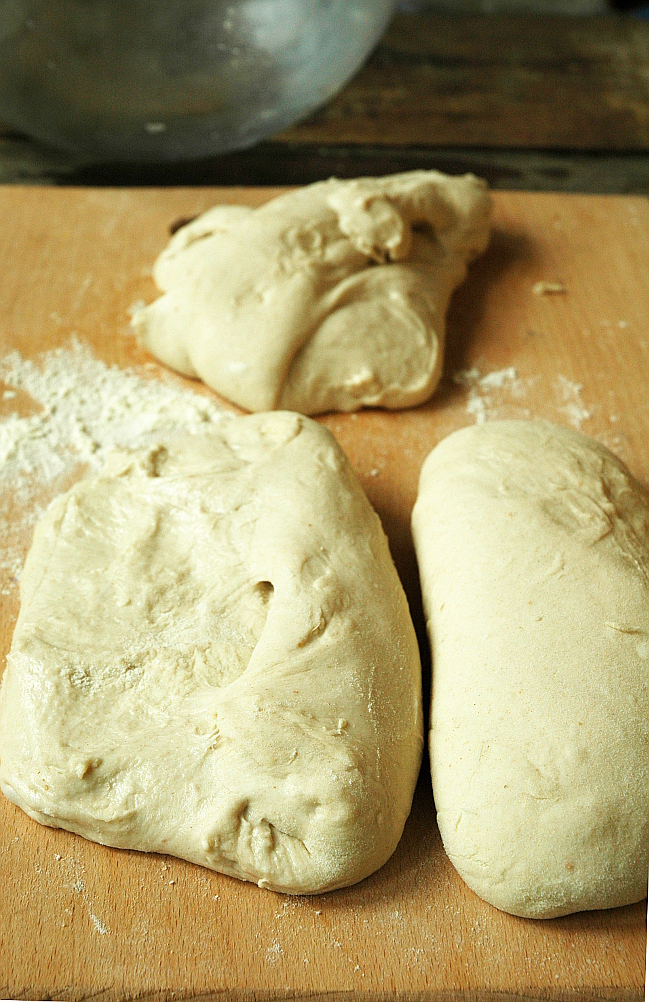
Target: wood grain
column 83, row 921
column 499, row 82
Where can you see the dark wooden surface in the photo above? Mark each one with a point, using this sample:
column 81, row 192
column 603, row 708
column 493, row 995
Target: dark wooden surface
column 501, row 82
column 547, row 103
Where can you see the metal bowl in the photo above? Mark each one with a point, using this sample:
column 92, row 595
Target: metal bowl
column 153, row 80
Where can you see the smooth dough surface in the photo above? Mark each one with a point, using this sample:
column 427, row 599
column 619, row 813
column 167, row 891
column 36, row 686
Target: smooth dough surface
column 331, row 297
column 214, row 658
column 533, row 548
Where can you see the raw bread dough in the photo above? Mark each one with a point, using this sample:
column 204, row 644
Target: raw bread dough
column 533, row 548
column 214, row 658
column 332, row 297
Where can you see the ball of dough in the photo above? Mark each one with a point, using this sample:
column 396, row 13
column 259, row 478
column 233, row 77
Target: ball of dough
column 214, row 658
column 533, row 548
column 331, row 297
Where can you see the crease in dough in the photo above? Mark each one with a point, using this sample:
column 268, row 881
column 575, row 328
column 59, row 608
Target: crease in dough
column 330, row 297
column 533, row 549
column 214, row 658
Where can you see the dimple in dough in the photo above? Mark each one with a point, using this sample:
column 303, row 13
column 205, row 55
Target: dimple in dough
column 331, row 297
column 533, row 549
column 214, row 658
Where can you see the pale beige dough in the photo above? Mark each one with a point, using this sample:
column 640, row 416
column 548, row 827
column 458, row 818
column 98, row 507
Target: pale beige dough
column 533, row 548
column 331, row 297
column 214, row 658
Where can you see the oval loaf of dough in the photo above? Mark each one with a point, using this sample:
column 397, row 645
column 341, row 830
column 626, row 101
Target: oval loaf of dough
column 331, row 297
column 214, row 658
column 533, row 548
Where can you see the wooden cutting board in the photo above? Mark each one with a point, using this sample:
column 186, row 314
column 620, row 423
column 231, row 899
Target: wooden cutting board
column 78, row 920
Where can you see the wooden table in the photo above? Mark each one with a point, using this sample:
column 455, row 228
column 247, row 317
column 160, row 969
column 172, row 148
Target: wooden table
column 81, row 921
column 545, row 104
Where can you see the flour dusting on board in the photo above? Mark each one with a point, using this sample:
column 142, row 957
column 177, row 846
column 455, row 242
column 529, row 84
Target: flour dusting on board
column 88, row 408
column 274, row 952
column 480, row 400
column 81, row 409
column 570, row 402
column 100, row 926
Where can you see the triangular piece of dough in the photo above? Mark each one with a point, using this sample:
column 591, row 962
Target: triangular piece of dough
column 533, row 549
column 331, row 297
column 214, row 658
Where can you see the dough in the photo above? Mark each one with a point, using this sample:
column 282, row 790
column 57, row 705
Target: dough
column 533, row 548
column 331, row 297
column 214, row 658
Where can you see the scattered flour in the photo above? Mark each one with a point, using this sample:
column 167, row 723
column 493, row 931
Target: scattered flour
column 498, row 379
column 466, row 377
column 570, row 402
column 81, row 410
column 479, row 401
column 74, row 868
column 88, row 408
column 274, row 952
column 101, row 928
column 476, row 406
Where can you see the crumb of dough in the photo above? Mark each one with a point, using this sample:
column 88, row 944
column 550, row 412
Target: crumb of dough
column 548, row 288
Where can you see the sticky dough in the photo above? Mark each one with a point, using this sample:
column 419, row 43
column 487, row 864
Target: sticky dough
column 214, row 658
column 331, row 297
column 533, row 548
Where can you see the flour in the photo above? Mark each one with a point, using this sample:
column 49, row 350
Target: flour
column 479, row 401
column 476, row 406
column 570, row 402
column 100, row 926
column 481, row 405
column 81, row 410
column 88, row 408
column 498, row 379
column 274, row 952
